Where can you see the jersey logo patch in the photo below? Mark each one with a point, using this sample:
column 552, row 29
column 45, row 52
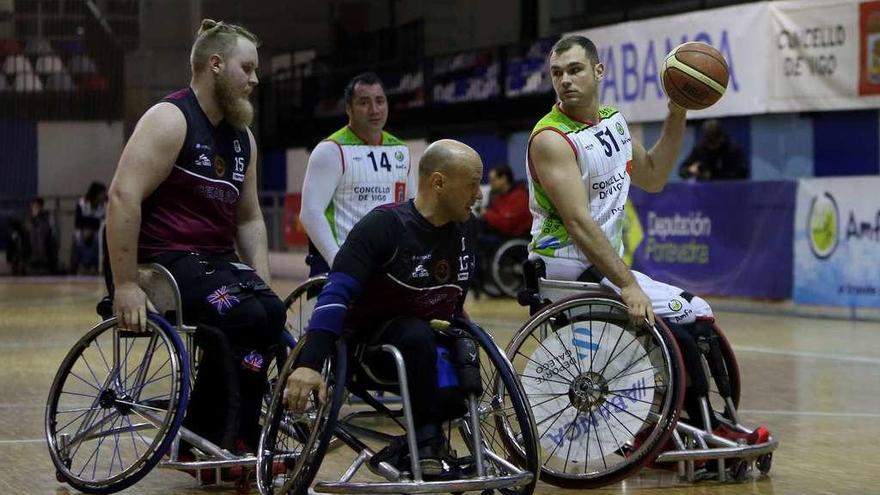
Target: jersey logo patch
column 219, row 166
column 419, row 272
column 203, row 161
column 237, row 176
column 441, row 271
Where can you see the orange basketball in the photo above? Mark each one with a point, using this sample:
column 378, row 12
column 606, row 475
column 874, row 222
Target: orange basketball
column 695, row 75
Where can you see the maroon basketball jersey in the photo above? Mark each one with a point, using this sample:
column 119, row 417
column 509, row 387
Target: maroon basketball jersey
column 194, row 208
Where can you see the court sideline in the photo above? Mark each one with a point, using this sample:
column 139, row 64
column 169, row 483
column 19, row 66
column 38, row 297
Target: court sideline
column 814, row 382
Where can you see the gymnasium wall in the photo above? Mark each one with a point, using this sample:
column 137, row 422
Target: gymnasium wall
column 73, row 154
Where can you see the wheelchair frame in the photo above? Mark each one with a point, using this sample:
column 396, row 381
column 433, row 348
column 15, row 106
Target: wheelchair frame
column 162, row 290
column 344, row 430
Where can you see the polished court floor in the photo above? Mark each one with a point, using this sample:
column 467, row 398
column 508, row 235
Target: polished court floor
column 814, row 382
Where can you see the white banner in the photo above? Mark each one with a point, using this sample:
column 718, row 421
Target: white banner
column 633, row 55
column 837, row 242
column 815, row 49
column 788, row 56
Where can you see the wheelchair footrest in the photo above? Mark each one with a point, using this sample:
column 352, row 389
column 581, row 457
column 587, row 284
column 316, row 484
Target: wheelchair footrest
column 472, row 484
column 740, row 452
column 210, row 464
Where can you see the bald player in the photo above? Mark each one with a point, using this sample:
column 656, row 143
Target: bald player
column 400, row 267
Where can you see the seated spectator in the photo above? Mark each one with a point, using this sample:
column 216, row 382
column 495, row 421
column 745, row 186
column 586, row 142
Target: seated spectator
column 17, row 246
column 715, row 156
column 90, row 212
column 42, row 239
column 508, row 212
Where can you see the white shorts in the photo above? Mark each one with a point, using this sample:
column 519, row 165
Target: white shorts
column 666, row 300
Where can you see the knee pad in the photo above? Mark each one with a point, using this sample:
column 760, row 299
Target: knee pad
column 466, row 356
column 458, row 365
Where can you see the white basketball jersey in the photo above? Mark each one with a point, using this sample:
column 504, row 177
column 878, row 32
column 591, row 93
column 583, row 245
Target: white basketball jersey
column 372, row 176
column 604, row 156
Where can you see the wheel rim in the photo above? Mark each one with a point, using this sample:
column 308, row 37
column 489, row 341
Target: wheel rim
column 598, row 387
column 296, row 440
column 300, row 304
column 507, row 270
column 113, row 402
column 500, row 428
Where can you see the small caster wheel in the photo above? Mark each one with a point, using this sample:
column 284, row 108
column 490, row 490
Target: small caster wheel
column 739, row 471
column 764, row 462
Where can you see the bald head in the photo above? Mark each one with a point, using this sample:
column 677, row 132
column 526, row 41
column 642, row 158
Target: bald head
column 446, row 155
column 449, row 181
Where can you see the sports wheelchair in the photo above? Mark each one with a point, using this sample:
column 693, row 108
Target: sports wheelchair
column 501, row 269
column 117, row 402
column 607, row 395
column 497, row 432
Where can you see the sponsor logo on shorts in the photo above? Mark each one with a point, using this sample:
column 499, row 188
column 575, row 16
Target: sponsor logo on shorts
column 675, row 305
column 685, row 315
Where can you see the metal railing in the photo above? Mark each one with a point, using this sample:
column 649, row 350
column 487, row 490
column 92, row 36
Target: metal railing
column 62, row 210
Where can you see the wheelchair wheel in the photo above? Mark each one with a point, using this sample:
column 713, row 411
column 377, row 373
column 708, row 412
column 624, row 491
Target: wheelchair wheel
column 292, row 445
column 300, row 303
column 507, row 427
column 507, row 266
column 116, row 404
column 275, row 368
column 606, row 395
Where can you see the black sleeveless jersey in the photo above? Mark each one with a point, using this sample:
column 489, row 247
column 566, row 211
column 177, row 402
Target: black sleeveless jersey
column 406, row 266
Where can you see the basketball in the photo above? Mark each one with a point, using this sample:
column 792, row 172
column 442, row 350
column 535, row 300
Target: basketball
column 695, row 75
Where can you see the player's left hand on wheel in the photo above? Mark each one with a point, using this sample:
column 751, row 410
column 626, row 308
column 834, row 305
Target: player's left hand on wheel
column 640, row 312
column 300, row 385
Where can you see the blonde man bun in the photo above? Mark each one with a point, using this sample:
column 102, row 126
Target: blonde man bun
column 216, row 38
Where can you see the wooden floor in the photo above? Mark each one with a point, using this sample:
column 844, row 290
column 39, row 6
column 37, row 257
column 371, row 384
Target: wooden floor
column 814, row 382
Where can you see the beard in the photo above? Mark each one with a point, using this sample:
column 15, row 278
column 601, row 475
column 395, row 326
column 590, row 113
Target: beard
column 238, row 111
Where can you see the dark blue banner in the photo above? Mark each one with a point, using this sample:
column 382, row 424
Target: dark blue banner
column 719, row 238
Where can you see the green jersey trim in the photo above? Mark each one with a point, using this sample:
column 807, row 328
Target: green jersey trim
column 390, row 140
column 347, row 137
column 606, row 112
column 553, row 234
column 330, row 215
column 561, row 122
